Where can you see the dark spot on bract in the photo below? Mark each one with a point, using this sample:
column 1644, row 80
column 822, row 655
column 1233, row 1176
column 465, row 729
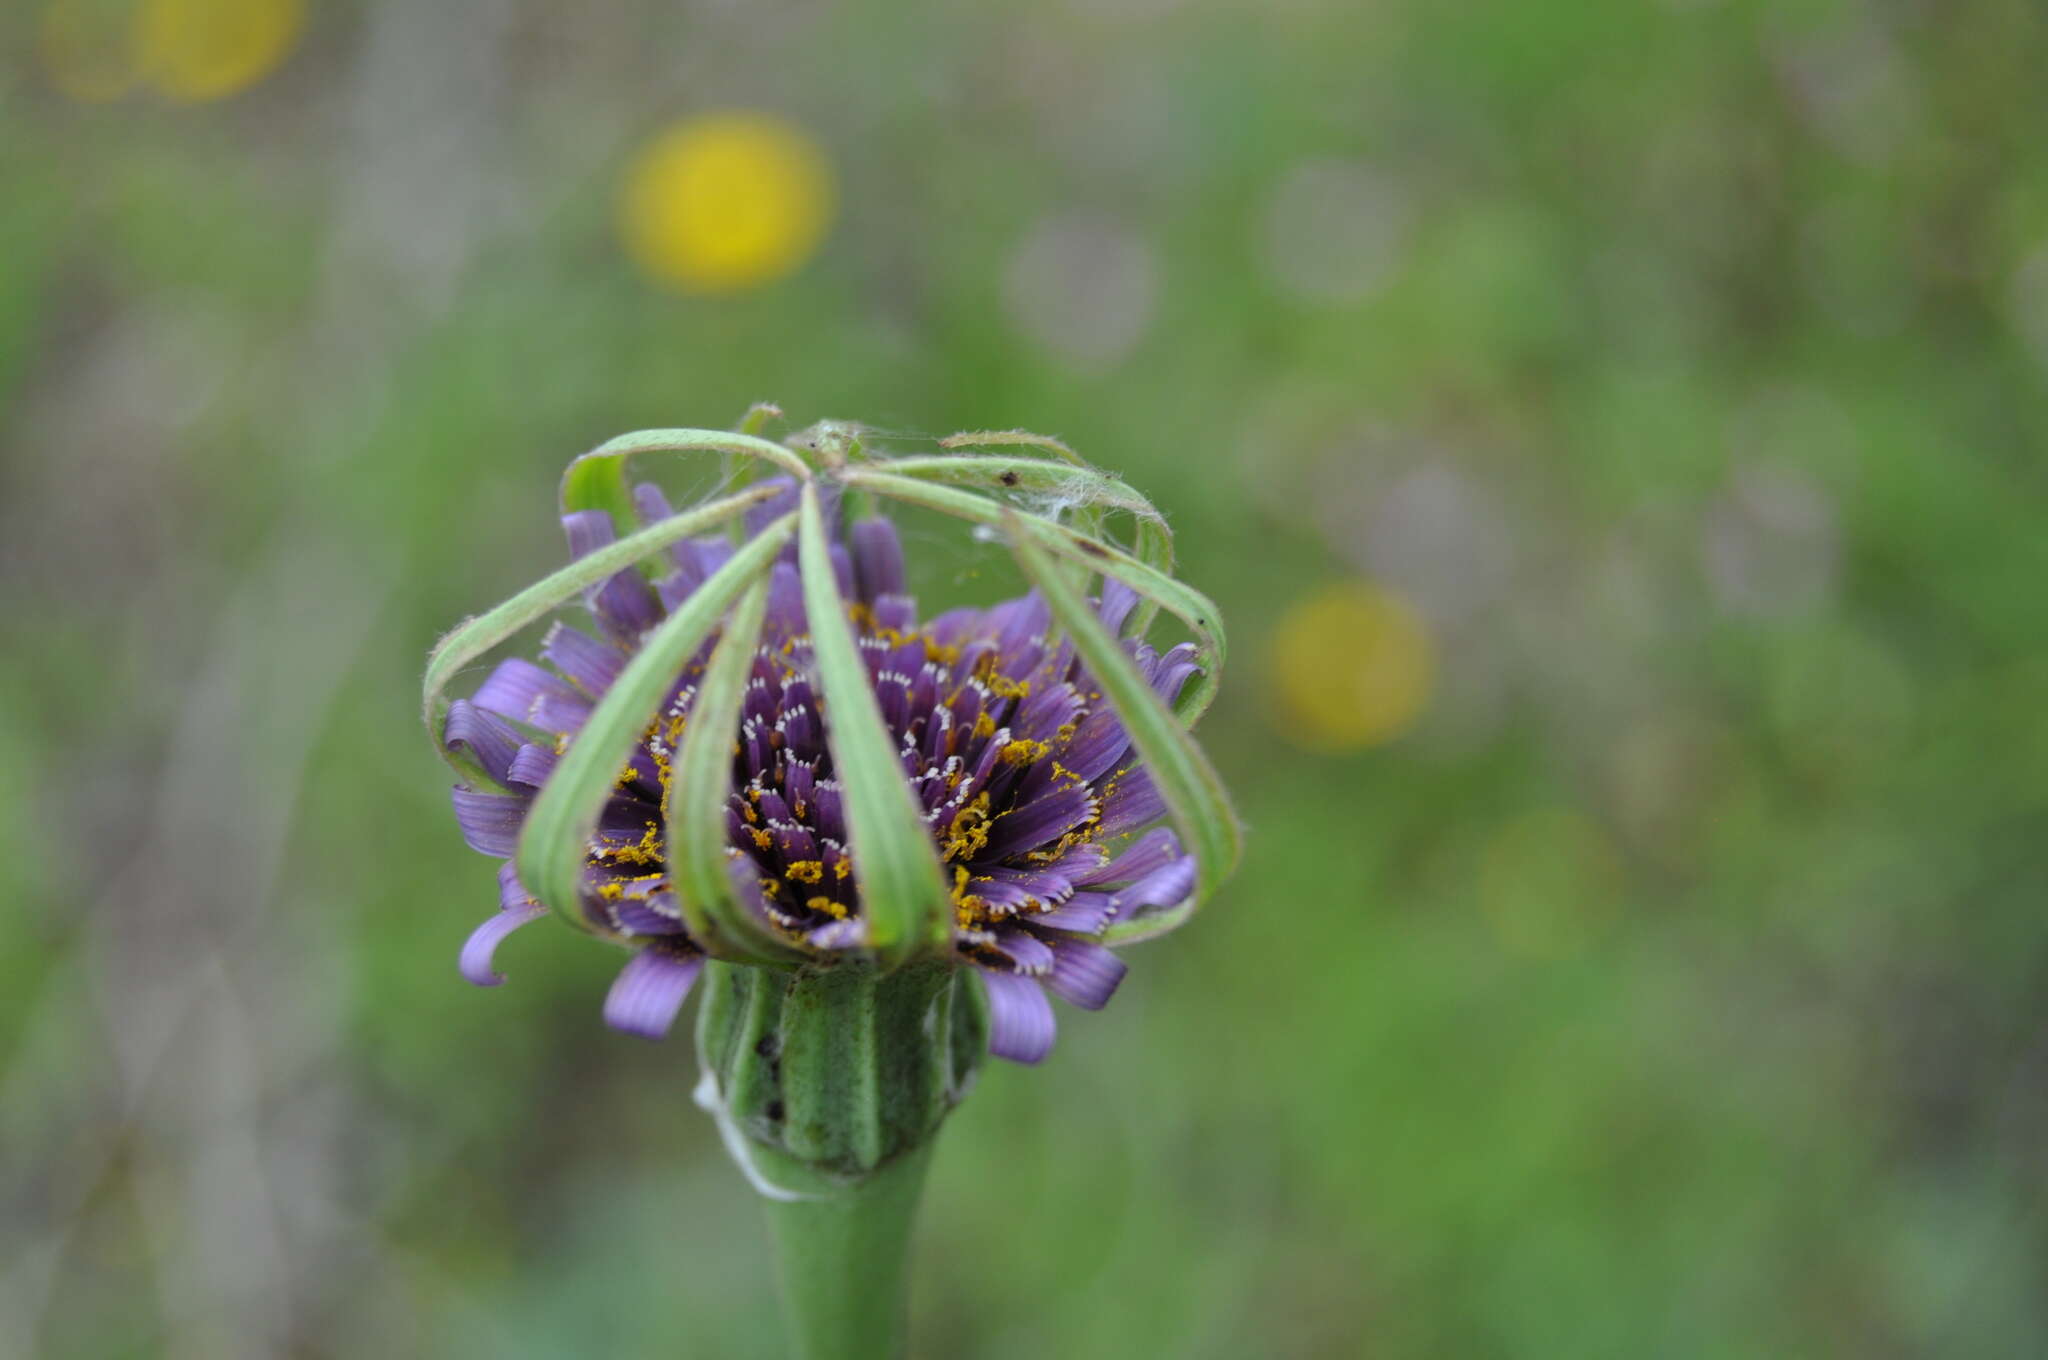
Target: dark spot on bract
column 1093, row 549
column 774, row 1112
column 768, row 1046
column 1008, row 479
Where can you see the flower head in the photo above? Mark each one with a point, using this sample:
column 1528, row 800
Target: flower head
column 757, row 747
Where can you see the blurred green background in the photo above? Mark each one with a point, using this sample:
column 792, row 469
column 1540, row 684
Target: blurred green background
column 1614, row 433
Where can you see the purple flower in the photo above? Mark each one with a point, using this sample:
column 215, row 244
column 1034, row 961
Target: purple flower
column 1039, row 810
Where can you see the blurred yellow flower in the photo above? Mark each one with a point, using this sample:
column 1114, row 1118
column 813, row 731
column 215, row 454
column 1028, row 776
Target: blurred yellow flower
column 1549, row 881
column 1353, row 665
column 84, row 45
column 197, row 50
column 726, row 201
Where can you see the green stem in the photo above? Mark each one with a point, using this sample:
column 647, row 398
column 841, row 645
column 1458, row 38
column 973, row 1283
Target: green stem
column 843, row 1258
column 829, row 1084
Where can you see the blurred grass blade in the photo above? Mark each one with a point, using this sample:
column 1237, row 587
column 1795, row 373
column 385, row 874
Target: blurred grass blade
column 700, row 782
column 558, row 827
column 597, row 480
column 1192, row 791
column 474, row 637
column 902, row 892
column 1189, row 605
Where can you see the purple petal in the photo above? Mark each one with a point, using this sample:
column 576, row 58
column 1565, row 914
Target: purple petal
column 1085, row 913
column 490, row 822
column 563, row 714
column 1130, row 800
column 896, row 612
column 1046, row 818
column 625, row 601
column 1084, row 973
column 1153, row 850
column 746, row 886
column 511, row 892
column 1031, row 954
column 1165, row 887
column 1098, row 743
column 761, row 514
column 593, row 665
column 955, row 626
column 877, row 560
column 636, row 917
column 1045, row 711
column 828, row 815
column 517, row 687
column 799, row 779
column 676, row 587
column 1118, row 600
column 1043, row 881
column 711, row 553
column 587, row 531
column 653, row 507
column 651, row 502
column 850, row 933
column 1172, row 671
column 649, row 991
column 695, row 561
column 490, row 739
column 785, row 603
column 532, row 765
column 1019, row 623
column 1005, row 899
column 1021, row 1026
column 483, row 942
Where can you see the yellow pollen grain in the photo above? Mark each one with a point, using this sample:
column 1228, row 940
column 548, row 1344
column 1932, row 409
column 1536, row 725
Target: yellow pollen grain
column 968, row 909
column 968, row 834
column 1024, row 752
column 806, row 871
column 1059, row 851
column 647, row 851
column 984, row 725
